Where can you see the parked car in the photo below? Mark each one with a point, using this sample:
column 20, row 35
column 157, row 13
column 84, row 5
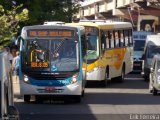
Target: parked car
column 154, row 84
column 139, row 38
column 7, row 109
column 152, row 47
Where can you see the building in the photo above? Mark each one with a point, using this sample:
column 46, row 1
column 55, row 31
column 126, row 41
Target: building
column 144, row 14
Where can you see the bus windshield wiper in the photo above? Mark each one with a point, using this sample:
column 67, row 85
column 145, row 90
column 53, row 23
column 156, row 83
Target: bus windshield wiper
column 55, row 53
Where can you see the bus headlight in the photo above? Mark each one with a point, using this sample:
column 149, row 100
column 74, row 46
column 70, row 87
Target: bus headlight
column 26, row 79
column 74, row 78
column 96, row 68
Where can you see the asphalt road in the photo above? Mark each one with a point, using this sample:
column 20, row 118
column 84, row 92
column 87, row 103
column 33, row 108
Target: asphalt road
column 130, row 100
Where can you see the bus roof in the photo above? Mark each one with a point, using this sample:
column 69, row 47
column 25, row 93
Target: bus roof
column 51, row 27
column 104, row 25
column 54, row 23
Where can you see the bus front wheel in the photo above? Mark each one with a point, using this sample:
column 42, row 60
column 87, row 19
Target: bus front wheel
column 121, row 78
column 77, row 98
column 105, row 81
column 27, row 98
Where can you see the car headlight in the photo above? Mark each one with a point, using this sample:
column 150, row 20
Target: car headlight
column 26, row 79
column 74, row 78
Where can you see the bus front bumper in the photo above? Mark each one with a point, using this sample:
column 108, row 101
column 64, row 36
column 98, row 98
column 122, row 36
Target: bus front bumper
column 97, row 74
column 72, row 89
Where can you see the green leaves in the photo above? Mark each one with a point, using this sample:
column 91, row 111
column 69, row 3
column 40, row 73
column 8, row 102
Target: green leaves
column 51, row 10
column 13, row 17
column 9, row 22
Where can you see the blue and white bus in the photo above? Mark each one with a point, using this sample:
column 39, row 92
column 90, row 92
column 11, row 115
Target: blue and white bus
column 52, row 61
column 139, row 38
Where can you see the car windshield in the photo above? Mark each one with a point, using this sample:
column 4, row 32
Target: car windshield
column 51, row 55
column 153, row 50
column 139, row 45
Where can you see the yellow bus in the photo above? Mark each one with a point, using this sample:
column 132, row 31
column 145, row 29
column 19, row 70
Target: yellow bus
column 109, row 49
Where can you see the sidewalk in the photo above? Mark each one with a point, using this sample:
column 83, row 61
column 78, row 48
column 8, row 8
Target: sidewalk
column 16, row 87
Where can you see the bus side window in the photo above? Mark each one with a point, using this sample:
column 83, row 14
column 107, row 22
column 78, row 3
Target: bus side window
column 126, row 37
column 116, row 38
column 112, row 39
column 103, row 41
column 108, row 42
column 119, row 38
column 84, row 45
column 122, row 42
column 130, row 37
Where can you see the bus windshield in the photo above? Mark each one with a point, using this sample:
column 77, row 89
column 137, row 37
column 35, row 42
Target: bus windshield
column 92, row 43
column 153, row 50
column 54, row 55
column 139, row 45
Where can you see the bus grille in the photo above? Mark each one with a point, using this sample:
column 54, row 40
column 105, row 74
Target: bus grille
column 49, row 76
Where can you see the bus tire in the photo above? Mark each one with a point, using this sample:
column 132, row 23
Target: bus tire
column 105, row 81
column 121, row 78
column 77, row 98
column 38, row 99
column 150, row 87
column 27, row 98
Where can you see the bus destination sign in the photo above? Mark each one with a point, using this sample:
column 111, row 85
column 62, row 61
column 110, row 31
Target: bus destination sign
column 50, row 33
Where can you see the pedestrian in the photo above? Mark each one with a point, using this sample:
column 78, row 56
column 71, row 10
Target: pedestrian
column 13, row 52
column 6, row 51
column 15, row 66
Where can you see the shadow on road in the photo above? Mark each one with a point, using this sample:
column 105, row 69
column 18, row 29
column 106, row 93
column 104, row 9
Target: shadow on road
column 122, row 99
column 132, row 81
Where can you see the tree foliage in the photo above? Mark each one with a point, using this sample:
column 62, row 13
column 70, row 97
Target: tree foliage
column 37, row 12
column 9, row 22
column 50, row 10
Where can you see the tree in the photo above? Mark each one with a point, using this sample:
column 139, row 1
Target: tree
column 9, row 22
column 50, row 10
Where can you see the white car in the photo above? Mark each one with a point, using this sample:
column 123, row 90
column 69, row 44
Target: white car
column 154, row 84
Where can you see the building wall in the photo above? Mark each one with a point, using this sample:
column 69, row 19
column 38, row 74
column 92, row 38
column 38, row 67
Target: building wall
column 121, row 9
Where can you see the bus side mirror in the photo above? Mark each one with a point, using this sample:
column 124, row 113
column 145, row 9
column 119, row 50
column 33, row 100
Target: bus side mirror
column 18, row 41
column 13, row 113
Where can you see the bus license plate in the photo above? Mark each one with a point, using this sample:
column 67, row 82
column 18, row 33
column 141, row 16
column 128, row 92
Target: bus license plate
column 50, row 89
column 137, row 65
